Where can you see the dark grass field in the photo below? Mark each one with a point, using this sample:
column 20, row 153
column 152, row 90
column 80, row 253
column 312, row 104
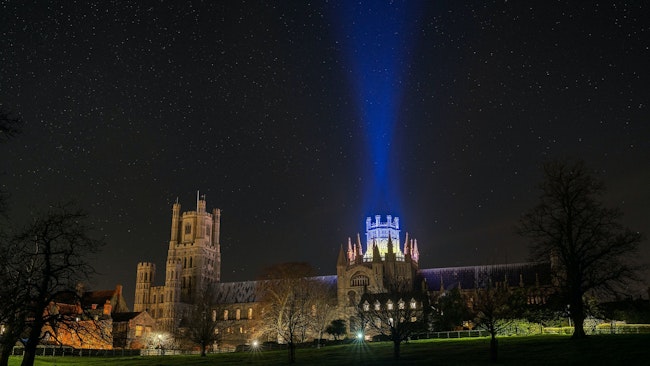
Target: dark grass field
column 534, row 350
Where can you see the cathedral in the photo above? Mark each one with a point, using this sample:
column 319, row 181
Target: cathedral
column 383, row 263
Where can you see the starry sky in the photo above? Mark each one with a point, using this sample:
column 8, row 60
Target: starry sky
column 263, row 107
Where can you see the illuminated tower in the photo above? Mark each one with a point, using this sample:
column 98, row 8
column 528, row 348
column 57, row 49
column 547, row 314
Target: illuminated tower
column 193, row 264
column 384, row 265
column 195, row 243
column 144, row 279
column 380, row 233
column 169, row 317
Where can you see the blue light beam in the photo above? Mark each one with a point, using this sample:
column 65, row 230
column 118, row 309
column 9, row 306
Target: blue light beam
column 377, row 37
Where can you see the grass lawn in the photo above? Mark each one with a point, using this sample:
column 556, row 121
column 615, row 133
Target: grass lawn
column 535, row 350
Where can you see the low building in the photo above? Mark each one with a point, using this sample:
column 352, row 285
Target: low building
column 132, row 330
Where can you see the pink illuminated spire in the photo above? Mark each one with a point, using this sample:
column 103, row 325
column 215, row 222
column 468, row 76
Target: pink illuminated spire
column 416, row 252
column 351, row 253
column 407, row 249
column 359, row 249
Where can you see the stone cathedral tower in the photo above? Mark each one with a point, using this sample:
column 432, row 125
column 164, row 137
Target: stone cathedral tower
column 385, row 264
column 193, row 263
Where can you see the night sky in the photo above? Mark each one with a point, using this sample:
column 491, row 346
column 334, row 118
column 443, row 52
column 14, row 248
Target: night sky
column 300, row 119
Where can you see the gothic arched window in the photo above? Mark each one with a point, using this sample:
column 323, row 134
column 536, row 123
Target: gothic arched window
column 360, row 280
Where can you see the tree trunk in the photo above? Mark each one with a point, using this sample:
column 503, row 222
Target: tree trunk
column 494, row 348
column 32, row 342
column 579, row 326
column 203, row 349
column 29, row 355
column 578, row 316
column 4, row 354
column 292, row 352
column 396, row 344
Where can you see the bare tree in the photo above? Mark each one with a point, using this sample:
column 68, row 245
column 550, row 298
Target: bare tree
column 323, row 307
column 396, row 314
column 286, row 302
column 161, row 341
column 12, row 310
column 495, row 307
column 203, row 320
column 49, row 257
column 589, row 248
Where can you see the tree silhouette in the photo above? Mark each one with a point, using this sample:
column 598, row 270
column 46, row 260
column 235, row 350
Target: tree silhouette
column 336, row 328
column 203, row 320
column 590, row 250
column 450, row 310
column 495, row 307
column 48, row 257
column 397, row 314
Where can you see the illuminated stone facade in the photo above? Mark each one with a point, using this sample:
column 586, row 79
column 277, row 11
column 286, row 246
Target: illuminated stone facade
column 384, row 264
column 193, row 263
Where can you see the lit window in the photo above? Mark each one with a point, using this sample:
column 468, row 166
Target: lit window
column 377, row 305
column 414, row 319
column 366, row 306
column 401, row 304
column 214, row 315
column 225, row 315
column 250, row 313
column 389, row 305
column 138, row 330
column 238, row 314
column 413, row 304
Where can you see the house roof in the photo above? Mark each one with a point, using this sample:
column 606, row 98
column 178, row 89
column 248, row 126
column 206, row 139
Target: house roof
column 125, row 317
column 237, row 292
column 247, row 291
column 97, row 297
column 530, row 274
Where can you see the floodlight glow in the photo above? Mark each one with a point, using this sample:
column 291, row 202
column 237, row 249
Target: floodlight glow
column 359, row 336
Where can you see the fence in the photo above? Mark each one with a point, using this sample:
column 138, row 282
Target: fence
column 85, row 352
column 452, row 334
column 69, row 351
